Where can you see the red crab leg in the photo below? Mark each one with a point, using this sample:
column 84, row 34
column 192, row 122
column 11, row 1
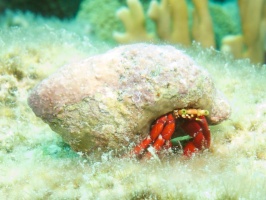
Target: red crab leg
column 161, row 131
column 205, row 130
column 199, row 130
column 155, row 131
column 189, row 149
column 157, row 145
column 164, row 136
column 198, row 143
column 169, row 128
column 143, row 145
column 158, row 127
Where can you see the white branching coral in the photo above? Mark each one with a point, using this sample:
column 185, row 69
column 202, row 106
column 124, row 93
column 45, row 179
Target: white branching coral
column 251, row 44
column 134, row 22
column 171, row 19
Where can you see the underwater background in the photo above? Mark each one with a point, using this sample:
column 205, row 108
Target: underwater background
column 36, row 39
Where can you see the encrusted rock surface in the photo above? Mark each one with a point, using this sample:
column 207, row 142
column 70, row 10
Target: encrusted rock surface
column 108, row 100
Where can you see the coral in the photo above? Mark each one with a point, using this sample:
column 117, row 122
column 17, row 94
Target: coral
column 233, row 44
column 134, row 22
column 171, row 19
column 101, row 16
column 212, row 25
column 253, row 21
column 254, row 28
column 222, row 27
column 107, row 100
column 202, row 29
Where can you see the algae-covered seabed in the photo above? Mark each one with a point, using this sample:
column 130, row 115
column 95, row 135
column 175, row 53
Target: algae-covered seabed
column 36, row 164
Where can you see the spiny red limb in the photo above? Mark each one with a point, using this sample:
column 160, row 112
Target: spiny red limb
column 158, row 143
column 168, row 144
column 191, row 127
column 169, row 129
column 158, row 127
column 157, row 146
column 199, row 141
column 170, row 118
column 143, row 145
column 156, row 130
column 189, row 149
column 205, row 130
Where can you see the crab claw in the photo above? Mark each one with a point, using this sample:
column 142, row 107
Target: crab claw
column 193, row 122
column 198, row 129
column 160, row 134
column 142, row 146
column 189, row 149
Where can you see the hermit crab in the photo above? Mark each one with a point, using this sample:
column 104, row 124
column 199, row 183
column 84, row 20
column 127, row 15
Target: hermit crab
column 186, row 128
column 107, row 101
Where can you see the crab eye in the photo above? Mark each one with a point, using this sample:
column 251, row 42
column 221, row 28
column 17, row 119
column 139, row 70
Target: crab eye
column 203, row 112
column 206, row 112
column 183, row 112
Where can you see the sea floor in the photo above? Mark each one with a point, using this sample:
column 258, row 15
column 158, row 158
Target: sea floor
column 36, row 164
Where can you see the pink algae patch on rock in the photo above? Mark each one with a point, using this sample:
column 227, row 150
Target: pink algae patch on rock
column 107, row 100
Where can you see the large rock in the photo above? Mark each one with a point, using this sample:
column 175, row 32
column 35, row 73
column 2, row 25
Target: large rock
column 108, row 100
